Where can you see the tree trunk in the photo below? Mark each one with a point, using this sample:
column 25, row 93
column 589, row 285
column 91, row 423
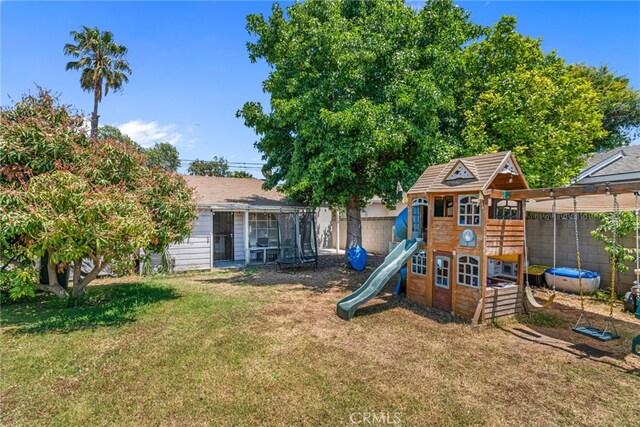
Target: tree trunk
column 53, row 285
column 354, row 224
column 78, row 289
column 77, row 271
column 94, row 116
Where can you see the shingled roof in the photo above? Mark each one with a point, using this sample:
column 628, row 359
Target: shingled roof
column 235, row 193
column 619, row 164
column 484, row 167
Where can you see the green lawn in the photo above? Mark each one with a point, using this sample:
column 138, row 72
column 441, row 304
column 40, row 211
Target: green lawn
column 263, row 348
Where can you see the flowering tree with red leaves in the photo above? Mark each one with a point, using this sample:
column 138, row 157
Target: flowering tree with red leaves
column 71, row 197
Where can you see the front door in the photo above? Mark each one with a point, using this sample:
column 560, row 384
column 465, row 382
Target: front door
column 442, row 282
column 223, row 236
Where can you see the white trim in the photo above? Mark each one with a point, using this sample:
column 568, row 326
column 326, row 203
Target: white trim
column 618, row 177
column 459, row 171
column 256, row 208
column 435, row 272
column 422, row 254
column 247, row 252
column 477, row 259
column 211, row 242
column 479, row 214
column 601, row 165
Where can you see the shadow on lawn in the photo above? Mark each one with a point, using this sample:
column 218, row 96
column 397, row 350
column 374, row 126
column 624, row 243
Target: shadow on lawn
column 332, row 274
column 103, row 305
column 562, row 337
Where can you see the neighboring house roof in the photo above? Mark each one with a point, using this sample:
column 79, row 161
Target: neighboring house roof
column 237, row 193
column 484, row 168
column 619, row 164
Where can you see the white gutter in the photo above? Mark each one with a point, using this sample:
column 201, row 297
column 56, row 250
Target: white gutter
column 601, row 165
column 630, row 176
column 253, row 208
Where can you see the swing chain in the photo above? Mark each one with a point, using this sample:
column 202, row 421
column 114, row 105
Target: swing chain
column 555, row 232
column 578, row 260
column 637, row 215
column 616, row 220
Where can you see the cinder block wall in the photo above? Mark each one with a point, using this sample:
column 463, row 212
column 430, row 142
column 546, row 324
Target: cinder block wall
column 592, row 253
column 376, row 234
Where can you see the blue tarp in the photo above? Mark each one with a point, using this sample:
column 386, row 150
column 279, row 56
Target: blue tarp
column 358, row 257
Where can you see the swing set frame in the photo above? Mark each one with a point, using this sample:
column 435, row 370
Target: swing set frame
column 583, row 325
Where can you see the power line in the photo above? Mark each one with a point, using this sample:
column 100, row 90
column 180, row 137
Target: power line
column 233, row 165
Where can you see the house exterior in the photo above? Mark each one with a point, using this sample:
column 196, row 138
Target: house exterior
column 618, row 165
column 236, row 224
column 472, row 236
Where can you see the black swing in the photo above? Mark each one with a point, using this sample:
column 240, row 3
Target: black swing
column 583, row 325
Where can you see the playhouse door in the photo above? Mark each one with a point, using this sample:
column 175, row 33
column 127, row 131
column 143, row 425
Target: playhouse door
column 442, row 282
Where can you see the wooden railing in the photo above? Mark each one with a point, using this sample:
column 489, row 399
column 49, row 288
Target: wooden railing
column 504, row 237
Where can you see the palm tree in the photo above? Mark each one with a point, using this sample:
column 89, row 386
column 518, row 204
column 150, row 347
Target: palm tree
column 102, row 63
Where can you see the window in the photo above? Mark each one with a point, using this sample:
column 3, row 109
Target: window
column 443, row 264
column 468, row 210
column 263, row 230
column 506, row 209
column 418, row 217
column 443, row 206
column 419, row 263
column 468, row 270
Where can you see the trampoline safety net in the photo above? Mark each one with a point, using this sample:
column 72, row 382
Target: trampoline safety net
column 297, row 243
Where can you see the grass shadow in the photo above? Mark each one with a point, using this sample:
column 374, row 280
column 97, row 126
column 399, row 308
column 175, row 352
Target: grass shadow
column 332, row 274
column 579, row 350
column 102, row 306
column 553, row 327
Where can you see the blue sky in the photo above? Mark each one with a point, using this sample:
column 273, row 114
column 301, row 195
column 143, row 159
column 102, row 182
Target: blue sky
column 191, row 71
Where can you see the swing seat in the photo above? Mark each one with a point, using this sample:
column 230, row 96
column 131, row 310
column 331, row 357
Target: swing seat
column 532, row 301
column 635, row 345
column 596, row 333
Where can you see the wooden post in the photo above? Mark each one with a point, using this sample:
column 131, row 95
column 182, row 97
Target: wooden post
column 211, row 241
column 484, row 260
column 337, row 231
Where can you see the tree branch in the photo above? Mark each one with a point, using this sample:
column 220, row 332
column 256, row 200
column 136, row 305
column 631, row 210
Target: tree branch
column 98, row 265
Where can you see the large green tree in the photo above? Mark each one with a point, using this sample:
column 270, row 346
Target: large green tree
column 618, row 102
column 111, row 132
column 102, row 63
column 218, row 166
column 361, row 97
column 164, row 156
column 72, row 197
column 518, row 98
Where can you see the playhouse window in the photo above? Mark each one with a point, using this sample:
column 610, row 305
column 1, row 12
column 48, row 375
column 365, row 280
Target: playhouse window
column 418, row 217
column 263, row 230
column 442, row 271
column 443, row 207
column 468, row 270
column 506, row 209
column 468, row 210
column 419, row 263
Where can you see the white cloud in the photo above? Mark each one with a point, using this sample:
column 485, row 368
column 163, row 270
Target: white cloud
column 148, row 133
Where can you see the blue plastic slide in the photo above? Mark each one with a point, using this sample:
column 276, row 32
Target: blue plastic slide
column 374, row 284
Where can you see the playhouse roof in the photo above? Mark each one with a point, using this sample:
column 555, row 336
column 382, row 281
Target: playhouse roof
column 466, row 174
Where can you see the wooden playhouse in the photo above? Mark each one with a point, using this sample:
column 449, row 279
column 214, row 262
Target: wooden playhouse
column 473, row 237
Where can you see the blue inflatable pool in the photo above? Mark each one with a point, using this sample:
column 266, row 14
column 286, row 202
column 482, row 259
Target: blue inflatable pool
column 566, row 279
